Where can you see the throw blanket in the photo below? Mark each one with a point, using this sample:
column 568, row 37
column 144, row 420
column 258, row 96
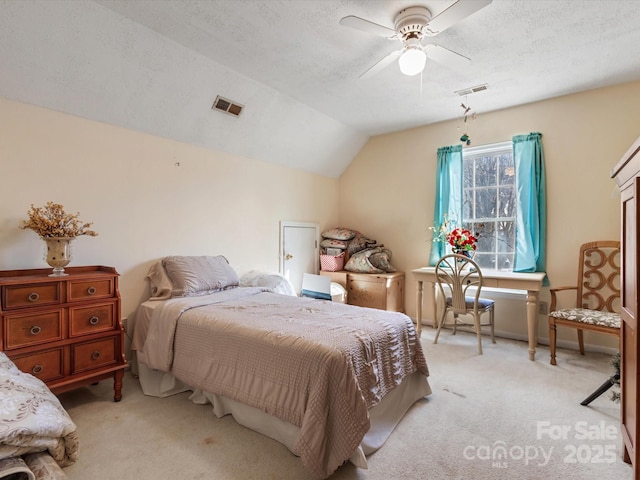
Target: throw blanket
column 318, row 365
column 32, row 420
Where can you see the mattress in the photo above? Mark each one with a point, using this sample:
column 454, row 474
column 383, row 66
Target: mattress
column 383, row 414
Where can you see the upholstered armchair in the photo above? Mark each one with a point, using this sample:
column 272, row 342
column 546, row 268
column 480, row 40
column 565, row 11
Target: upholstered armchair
column 597, row 304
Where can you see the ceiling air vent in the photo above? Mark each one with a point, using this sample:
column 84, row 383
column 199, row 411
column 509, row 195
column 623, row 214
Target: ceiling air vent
column 470, row 90
column 227, row 106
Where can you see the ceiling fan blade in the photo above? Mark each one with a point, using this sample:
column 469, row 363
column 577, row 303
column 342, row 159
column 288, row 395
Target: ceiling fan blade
column 382, row 64
column 453, row 14
column 368, row 27
column 446, row 57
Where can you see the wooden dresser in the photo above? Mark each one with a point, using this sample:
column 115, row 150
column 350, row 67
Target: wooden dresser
column 384, row 291
column 64, row 330
column 627, row 176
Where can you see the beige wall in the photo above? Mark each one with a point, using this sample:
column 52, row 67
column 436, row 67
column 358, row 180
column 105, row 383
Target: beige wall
column 143, row 206
column 388, row 190
column 146, row 207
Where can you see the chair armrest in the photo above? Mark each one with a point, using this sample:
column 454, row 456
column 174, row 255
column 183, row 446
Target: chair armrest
column 553, row 291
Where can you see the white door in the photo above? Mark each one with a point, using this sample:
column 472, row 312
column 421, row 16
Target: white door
column 299, row 251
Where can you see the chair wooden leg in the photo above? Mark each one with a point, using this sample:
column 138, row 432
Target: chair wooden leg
column 493, row 337
column 552, row 340
column 440, row 323
column 581, row 341
column 476, row 321
column 455, row 323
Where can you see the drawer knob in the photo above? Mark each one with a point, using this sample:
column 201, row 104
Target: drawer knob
column 95, row 355
column 94, row 320
column 91, row 290
column 35, row 330
column 37, row 369
column 34, row 297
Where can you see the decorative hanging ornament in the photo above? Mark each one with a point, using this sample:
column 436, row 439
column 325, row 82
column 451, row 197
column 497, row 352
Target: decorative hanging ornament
column 465, row 136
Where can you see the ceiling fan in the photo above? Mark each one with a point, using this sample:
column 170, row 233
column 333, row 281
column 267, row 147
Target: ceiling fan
column 411, row 24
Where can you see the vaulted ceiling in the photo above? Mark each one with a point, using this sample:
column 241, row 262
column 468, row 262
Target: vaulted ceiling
column 156, row 66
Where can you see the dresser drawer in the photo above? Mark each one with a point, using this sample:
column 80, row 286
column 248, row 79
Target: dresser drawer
column 367, row 294
column 66, row 329
column 88, row 289
column 91, row 319
column 21, row 296
column 90, row 355
column 32, row 329
column 384, row 291
column 44, row 365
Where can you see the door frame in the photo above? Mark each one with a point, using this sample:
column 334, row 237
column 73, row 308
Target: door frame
column 285, row 224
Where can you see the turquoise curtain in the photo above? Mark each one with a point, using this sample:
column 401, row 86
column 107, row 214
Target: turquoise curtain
column 448, row 193
column 531, row 219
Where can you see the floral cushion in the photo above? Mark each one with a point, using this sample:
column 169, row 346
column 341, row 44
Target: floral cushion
column 360, row 263
column 333, row 243
column 590, row 317
column 339, row 234
column 382, row 260
column 371, row 260
column 359, row 243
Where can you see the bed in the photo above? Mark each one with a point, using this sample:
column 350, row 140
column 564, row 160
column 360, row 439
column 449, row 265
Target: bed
column 329, row 381
column 37, row 436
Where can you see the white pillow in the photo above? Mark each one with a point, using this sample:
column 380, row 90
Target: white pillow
column 275, row 282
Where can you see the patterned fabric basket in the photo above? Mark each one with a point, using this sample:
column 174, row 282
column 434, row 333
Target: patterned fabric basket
column 331, row 263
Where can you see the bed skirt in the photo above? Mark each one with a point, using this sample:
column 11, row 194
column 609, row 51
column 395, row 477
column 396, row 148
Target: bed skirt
column 384, row 416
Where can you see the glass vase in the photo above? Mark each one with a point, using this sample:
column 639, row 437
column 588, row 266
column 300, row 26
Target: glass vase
column 466, row 253
column 57, row 254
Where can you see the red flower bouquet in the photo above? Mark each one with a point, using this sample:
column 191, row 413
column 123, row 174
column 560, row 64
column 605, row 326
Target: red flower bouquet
column 461, row 240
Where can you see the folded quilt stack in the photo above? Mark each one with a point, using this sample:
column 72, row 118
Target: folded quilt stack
column 344, row 248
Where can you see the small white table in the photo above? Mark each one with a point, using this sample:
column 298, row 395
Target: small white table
column 531, row 282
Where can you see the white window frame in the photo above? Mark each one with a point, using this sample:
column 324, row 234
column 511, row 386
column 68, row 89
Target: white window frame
column 492, row 149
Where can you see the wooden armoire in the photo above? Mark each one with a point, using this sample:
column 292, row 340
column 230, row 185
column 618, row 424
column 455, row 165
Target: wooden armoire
column 627, row 175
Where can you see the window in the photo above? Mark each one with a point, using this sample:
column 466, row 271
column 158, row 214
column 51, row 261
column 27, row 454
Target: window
column 489, row 203
column 490, row 190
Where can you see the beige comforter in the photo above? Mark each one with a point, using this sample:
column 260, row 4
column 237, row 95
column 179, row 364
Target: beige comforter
column 32, row 418
column 316, row 364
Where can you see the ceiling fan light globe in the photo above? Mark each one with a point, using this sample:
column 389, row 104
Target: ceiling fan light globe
column 412, row 61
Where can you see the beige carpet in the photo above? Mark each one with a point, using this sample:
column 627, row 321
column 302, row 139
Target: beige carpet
column 496, row 416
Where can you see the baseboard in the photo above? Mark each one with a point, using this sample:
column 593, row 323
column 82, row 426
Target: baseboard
column 562, row 344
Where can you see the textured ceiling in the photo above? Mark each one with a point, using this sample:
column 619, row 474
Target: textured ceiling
column 157, row 65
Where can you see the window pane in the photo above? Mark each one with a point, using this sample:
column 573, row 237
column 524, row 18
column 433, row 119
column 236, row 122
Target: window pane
column 486, row 233
column 507, row 170
column 486, row 203
column 467, row 206
column 505, row 262
column 507, row 202
column 485, row 171
column 489, row 208
column 467, row 174
column 485, row 260
column 506, row 236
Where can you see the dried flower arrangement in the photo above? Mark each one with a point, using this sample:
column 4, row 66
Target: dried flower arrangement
column 52, row 221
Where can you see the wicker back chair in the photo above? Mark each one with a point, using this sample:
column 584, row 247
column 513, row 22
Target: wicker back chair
column 459, row 281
